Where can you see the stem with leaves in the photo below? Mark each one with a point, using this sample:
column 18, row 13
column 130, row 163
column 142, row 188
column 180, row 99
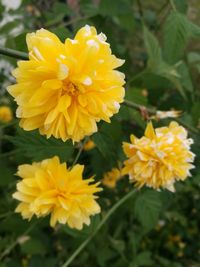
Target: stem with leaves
column 100, row 225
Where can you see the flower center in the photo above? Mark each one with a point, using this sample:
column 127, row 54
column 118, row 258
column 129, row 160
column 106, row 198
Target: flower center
column 71, row 88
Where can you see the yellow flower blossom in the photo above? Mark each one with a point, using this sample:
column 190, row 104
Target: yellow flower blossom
column 89, row 145
column 5, row 114
column 64, row 89
column 160, row 157
column 48, row 187
column 111, row 178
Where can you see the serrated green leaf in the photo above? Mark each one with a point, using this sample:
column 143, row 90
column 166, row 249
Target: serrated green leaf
column 38, row 147
column 157, row 65
column 147, row 208
column 153, row 48
column 105, row 145
column 176, row 36
column 186, row 80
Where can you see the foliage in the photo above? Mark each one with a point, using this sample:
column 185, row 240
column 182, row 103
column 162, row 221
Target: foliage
column 160, row 43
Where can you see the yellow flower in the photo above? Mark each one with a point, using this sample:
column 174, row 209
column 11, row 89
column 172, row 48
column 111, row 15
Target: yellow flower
column 110, row 178
column 89, row 145
column 48, row 187
column 5, row 114
column 160, row 157
column 64, row 89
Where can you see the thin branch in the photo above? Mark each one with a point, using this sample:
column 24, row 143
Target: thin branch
column 163, row 7
column 79, row 152
column 10, row 153
column 13, row 245
column 5, row 215
column 140, row 9
column 5, row 125
column 100, row 225
column 13, row 53
column 138, row 107
column 152, row 111
column 172, row 4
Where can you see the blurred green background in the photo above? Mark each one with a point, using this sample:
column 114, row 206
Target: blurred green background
column 162, row 70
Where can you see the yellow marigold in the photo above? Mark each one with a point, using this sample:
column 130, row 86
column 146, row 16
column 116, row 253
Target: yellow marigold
column 110, row 178
column 89, row 145
column 160, row 157
column 65, row 88
column 5, row 114
column 48, row 187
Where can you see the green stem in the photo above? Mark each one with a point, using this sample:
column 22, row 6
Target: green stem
column 187, row 126
column 13, row 245
column 103, row 221
column 172, row 4
column 5, row 215
column 79, row 152
column 138, row 107
column 139, row 75
column 5, row 125
column 10, row 153
column 13, row 53
column 152, row 111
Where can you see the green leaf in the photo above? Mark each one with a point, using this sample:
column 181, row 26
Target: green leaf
column 105, row 145
column 144, row 259
column 196, row 112
column 135, row 95
column 157, row 65
column 38, row 147
column 33, row 246
column 153, row 48
column 147, row 208
column 89, row 8
column 194, row 30
column 186, row 79
column 120, row 7
column 86, row 231
column 181, row 5
column 6, row 174
column 178, row 30
column 118, row 245
column 176, row 36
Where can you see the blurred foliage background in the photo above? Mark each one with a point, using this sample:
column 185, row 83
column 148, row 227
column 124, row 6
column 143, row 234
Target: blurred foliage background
column 160, row 42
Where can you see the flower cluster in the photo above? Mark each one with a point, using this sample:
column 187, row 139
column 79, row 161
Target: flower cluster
column 48, row 187
column 64, row 89
column 160, row 157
